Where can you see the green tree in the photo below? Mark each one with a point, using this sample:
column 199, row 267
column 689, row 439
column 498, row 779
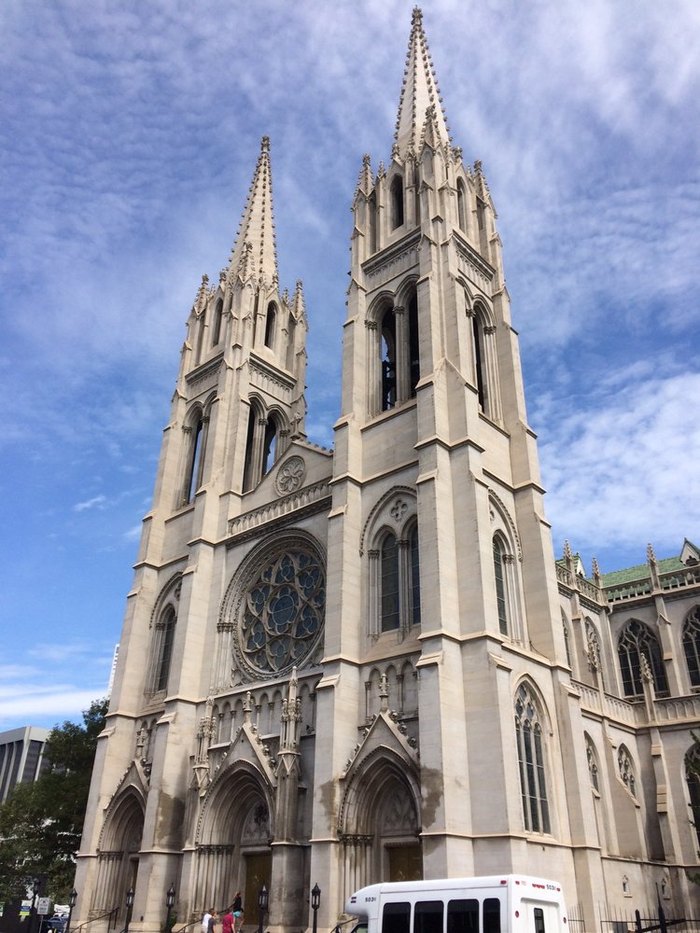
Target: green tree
column 41, row 822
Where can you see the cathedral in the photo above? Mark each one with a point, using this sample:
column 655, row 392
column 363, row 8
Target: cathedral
column 364, row 664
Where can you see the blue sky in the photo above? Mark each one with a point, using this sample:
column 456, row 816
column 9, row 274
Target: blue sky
column 128, row 136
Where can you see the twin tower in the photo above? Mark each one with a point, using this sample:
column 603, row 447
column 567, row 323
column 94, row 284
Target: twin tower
column 341, row 667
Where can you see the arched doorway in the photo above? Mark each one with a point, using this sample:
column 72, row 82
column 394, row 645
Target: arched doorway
column 380, row 823
column 118, row 857
column 232, row 851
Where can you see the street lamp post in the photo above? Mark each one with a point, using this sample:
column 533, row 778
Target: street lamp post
column 169, row 901
column 73, row 897
column 315, row 903
column 129, row 908
column 262, row 907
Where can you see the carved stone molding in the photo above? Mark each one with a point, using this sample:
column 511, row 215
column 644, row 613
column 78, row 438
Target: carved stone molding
column 290, row 475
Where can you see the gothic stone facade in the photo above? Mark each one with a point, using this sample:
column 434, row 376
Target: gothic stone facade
column 366, row 664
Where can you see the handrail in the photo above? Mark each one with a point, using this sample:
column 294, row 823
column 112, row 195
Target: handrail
column 114, row 910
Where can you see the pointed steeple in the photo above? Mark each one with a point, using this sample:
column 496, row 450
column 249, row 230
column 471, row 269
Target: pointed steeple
column 419, row 93
column 255, row 250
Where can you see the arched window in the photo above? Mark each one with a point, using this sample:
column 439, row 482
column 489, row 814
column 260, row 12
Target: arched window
column 416, row 194
column 499, row 570
column 270, row 325
column 372, row 211
column 481, row 225
column 249, row 473
column 413, row 344
column 692, row 777
column 483, row 358
column 162, row 649
column 397, row 215
column 167, row 627
column 390, row 618
column 691, row 645
column 415, row 576
column 200, row 340
column 533, row 786
column 388, row 351
column 195, row 459
column 637, row 641
column 291, row 350
column 263, row 444
column 216, row 324
column 461, row 206
column 270, row 444
column 397, row 346
column 480, row 361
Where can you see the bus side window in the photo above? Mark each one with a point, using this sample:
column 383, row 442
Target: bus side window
column 492, row 915
column 396, row 918
column 463, row 916
column 539, row 920
column 427, row 917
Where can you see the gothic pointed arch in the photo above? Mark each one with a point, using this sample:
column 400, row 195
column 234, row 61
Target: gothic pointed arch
column 484, row 359
column 396, row 194
column 691, row 645
column 638, row 648
column 237, row 817
column 271, row 325
column 387, row 335
column 267, row 438
column 237, row 791
column 393, row 563
column 217, row 320
column 692, row 780
column 393, row 347
column 531, row 727
column 462, row 206
column 379, row 819
column 505, row 549
column 194, row 429
column 163, row 621
column 119, row 845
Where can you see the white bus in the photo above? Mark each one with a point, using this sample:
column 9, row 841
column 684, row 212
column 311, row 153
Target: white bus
column 492, row 904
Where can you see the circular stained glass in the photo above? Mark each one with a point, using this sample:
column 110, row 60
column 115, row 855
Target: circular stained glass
column 280, row 609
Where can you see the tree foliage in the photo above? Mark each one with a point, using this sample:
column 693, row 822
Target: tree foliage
column 41, row 822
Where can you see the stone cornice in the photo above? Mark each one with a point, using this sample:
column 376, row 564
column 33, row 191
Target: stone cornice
column 204, row 371
column 303, row 502
column 391, row 256
column 474, row 265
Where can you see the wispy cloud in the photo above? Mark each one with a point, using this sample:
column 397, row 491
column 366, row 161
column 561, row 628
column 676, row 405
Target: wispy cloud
column 97, row 502
column 128, row 140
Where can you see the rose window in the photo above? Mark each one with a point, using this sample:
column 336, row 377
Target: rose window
column 281, row 611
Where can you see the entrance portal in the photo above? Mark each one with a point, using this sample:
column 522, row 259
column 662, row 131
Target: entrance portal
column 405, row 863
column 258, row 872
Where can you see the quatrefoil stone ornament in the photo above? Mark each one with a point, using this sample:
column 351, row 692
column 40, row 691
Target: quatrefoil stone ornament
column 290, row 475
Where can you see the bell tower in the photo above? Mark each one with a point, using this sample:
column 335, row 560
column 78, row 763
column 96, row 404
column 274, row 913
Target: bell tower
column 253, row 335
column 437, row 536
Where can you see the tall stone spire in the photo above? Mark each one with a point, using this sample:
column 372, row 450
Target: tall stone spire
column 419, row 93
column 255, row 251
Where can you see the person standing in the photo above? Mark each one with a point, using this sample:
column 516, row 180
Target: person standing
column 237, row 912
column 206, row 920
column 227, row 922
